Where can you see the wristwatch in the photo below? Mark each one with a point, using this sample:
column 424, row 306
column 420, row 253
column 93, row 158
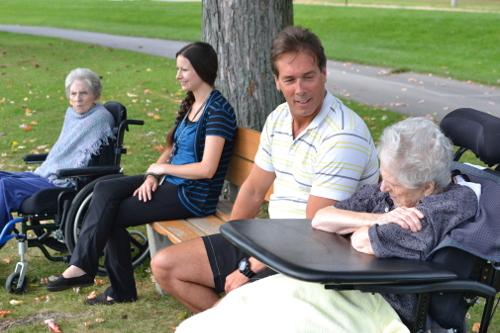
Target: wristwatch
column 244, row 268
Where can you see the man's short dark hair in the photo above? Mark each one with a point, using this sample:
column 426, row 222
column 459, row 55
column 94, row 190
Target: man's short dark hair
column 295, row 39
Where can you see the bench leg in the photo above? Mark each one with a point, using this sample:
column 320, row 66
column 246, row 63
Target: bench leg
column 156, row 243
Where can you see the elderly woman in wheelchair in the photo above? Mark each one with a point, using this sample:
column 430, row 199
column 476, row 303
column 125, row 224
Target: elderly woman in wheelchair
column 405, row 216
column 87, row 126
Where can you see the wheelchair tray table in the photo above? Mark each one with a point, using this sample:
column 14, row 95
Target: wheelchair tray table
column 292, row 247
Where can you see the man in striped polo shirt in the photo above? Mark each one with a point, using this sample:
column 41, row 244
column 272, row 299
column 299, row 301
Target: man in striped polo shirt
column 313, row 148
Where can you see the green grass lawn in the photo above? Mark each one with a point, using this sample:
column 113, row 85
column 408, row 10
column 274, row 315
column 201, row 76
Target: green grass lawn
column 484, row 5
column 461, row 45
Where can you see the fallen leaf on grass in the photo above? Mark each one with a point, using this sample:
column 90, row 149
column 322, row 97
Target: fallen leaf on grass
column 16, row 302
column 99, row 282
column 92, row 295
column 183, row 315
column 6, row 260
column 53, row 327
column 4, row 312
column 99, row 320
column 475, row 327
column 173, row 327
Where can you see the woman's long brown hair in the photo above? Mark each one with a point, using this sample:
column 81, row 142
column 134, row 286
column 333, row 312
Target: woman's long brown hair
column 204, row 60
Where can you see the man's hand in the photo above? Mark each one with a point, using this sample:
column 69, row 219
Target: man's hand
column 406, row 218
column 145, row 192
column 235, row 280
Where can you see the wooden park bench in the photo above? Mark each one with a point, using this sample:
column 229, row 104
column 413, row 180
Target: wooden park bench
column 165, row 233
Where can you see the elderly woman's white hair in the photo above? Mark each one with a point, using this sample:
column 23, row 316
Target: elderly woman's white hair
column 417, row 152
column 84, row 74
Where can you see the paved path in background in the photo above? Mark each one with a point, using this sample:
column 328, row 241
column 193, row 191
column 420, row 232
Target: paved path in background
column 410, row 93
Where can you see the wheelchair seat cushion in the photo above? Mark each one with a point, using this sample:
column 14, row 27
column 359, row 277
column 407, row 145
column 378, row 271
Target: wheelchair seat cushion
column 42, row 202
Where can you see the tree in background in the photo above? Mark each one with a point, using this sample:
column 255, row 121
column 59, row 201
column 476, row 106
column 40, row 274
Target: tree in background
column 242, row 31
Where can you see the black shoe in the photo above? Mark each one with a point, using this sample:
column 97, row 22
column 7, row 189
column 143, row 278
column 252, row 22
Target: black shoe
column 99, row 300
column 63, row 284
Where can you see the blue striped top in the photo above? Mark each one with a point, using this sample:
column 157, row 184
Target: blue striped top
column 201, row 196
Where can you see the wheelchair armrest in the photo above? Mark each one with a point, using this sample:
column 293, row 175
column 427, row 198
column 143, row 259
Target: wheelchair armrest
column 35, row 158
column 89, row 171
column 454, row 286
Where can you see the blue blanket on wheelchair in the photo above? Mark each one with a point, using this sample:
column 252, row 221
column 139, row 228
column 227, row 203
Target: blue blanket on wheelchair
column 480, row 237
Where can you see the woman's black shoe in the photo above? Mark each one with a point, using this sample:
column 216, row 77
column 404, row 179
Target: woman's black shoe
column 63, row 284
column 99, row 300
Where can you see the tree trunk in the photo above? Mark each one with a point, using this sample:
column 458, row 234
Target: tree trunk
column 241, row 32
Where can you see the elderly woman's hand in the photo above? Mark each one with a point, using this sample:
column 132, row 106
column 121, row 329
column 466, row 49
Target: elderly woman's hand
column 145, row 192
column 406, row 218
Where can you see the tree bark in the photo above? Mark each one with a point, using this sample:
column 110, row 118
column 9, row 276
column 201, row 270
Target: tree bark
column 241, row 32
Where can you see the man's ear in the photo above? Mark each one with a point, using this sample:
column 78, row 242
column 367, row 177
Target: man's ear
column 276, row 80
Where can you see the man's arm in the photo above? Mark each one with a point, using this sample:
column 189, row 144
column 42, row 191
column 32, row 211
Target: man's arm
column 246, row 206
column 252, row 193
column 315, row 203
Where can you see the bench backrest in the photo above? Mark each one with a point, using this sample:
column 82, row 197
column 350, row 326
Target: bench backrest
column 242, row 158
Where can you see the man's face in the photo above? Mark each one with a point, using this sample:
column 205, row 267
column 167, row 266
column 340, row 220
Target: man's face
column 302, row 84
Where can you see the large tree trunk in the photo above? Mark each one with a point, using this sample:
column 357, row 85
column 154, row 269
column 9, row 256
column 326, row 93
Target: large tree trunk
column 242, row 31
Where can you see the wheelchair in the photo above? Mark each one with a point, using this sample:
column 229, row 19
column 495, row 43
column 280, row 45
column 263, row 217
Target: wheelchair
column 464, row 267
column 446, row 303
column 65, row 207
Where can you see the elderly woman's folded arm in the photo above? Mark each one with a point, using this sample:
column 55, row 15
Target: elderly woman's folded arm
column 342, row 222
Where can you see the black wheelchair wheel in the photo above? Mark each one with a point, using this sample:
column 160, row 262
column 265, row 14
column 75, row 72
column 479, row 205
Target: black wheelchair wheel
column 11, row 284
column 139, row 246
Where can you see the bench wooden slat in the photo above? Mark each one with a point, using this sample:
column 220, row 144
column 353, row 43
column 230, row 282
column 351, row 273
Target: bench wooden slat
column 247, row 143
column 177, row 230
column 208, row 225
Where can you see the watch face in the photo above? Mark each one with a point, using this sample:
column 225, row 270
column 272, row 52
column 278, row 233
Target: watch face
column 242, row 265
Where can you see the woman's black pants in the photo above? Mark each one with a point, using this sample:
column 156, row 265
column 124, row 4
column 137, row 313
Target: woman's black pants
column 111, row 211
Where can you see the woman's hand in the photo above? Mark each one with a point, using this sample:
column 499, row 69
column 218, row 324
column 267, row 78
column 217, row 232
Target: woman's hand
column 145, row 192
column 156, row 168
column 406, row 218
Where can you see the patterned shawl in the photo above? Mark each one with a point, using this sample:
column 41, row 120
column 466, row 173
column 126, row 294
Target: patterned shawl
column 80, row 138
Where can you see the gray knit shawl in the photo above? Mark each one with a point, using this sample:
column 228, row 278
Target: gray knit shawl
column 81, row 136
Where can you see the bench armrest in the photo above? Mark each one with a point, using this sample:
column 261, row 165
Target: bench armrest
column 88, row 171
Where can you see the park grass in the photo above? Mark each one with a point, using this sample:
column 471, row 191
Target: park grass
column 480, row 5
column 32, row 71
column 460, row 45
